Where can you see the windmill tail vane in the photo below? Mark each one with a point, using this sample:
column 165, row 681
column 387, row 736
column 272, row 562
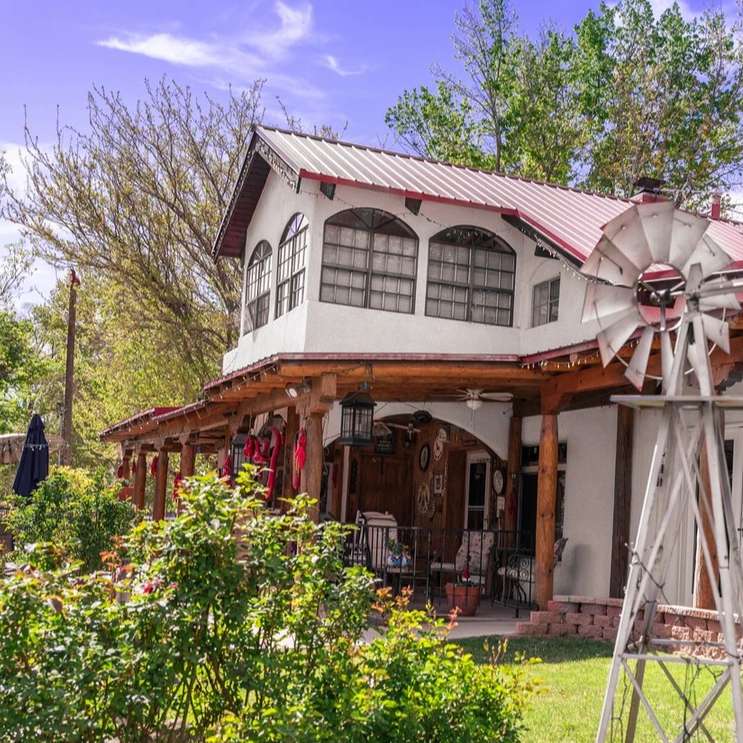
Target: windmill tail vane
column 658, row 282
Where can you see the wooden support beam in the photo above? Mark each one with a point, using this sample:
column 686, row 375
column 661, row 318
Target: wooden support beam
column 188, row 460
column 140, row 479
column 620, row 535
column 703, row 588
column 312, row 472
column 512, row 477
column 546, row 502
column 161, row 485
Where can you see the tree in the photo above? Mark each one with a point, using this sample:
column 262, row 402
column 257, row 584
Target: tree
column 627, row 95
column 136, row 201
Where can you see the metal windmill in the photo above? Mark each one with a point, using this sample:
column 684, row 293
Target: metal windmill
column 656, row 272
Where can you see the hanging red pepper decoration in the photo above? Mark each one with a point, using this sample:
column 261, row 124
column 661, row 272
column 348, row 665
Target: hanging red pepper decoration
column 153, row 466
column 177, row 484
column 120, row 472
column 300, row 456
column 227, row 468
column 275, row 446
column 249, row 448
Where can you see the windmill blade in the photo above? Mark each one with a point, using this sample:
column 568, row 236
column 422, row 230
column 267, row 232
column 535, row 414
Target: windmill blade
column 616, row 334
column 719, row 294
column 666, row 357
column 657, row 224
column 627, row 234
column 639, row 363
column 685, row 236
column 697, row 355
column 709, row 255
column 717, row 331
column 608, row 263
column 603, row 300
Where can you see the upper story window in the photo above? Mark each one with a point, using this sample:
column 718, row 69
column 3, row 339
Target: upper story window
column 291, row 259
column 258, row 287
column 545, row 302
column 471, row 276
column 369, row 259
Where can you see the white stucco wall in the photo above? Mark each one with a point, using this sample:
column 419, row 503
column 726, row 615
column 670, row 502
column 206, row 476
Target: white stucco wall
column 324, row 327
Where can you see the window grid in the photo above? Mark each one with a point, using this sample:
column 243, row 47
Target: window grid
column 258, row 286
column 369, row 260
column 291, row 261
column 545, row 302
column 470, row 277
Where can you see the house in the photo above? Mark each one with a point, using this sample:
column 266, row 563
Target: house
column 442, row 306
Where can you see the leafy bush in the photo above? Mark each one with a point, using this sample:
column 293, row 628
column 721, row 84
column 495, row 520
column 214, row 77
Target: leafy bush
column 228, row 624
column 71, row 517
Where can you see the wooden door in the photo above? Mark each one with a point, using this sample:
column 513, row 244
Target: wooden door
column 384, row 485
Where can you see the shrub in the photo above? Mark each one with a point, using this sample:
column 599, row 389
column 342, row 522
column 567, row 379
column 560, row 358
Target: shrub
column 228, row 624
column 72, row 516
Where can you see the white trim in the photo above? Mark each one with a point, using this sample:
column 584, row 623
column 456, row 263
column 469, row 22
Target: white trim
column 473, row 457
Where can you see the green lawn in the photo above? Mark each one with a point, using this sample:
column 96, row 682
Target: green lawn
column 573, row 675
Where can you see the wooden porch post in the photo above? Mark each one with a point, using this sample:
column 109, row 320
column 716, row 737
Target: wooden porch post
column 188, row 460
column 512, row 477
column 140, row 478
column 161, row 484
column 126, row 465
column 312, row 472
column 546, row 502
column 703, row 589
column 620, row 535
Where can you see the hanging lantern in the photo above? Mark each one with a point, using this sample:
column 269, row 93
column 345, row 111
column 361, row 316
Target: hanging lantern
column 357, row 419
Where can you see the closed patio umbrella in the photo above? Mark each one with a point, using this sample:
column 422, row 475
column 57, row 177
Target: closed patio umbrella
column 34, row 464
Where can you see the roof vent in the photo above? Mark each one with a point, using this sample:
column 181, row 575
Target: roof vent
column 648, row 189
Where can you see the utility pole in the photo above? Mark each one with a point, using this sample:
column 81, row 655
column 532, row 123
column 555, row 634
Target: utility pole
column 65, row 453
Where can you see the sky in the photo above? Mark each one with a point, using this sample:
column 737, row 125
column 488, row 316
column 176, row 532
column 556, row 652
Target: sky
column 337, row 62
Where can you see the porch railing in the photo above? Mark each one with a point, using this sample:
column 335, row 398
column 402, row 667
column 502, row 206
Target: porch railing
column 426, row 559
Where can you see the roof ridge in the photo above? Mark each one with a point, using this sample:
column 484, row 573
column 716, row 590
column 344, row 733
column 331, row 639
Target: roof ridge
column 434, row 161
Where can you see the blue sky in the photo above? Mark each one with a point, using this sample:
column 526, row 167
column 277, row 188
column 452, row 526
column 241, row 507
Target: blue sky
column 338, row 62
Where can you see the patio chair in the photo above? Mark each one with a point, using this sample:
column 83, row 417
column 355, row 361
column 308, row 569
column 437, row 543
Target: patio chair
column 474, row 553
column 371, row 541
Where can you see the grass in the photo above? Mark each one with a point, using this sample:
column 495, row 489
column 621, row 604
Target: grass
column 573, row 675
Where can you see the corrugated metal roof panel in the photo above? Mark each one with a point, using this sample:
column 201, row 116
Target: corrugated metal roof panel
column 571, row 218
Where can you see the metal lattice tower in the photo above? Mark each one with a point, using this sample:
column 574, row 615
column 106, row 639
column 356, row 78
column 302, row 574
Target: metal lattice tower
column 656, row 269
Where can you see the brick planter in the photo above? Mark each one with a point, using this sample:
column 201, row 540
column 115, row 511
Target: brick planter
column 598, row 618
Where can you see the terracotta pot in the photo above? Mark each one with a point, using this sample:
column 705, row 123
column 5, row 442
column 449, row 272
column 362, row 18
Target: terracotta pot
column 463, row 597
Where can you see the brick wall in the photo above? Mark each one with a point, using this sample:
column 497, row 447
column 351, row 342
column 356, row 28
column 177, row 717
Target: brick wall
column 598, row 619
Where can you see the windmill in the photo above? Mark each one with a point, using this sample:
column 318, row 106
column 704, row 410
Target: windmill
column 656, row 280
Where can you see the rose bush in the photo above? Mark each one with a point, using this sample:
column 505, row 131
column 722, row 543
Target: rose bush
column 230, row 624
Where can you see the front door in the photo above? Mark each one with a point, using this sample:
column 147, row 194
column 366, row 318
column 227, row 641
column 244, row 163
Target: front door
column 477, row 502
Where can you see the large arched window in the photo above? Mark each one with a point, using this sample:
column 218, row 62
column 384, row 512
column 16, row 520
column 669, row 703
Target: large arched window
column 369, row 259
column 470, row 276
column 292, row 253
column 258, row 286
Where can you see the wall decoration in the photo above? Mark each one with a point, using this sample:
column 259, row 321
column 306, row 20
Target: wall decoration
column 424, row 457
column 438, row 484
column 384, row 443
column 438, row 446
column 498, row 481
column 423, row 500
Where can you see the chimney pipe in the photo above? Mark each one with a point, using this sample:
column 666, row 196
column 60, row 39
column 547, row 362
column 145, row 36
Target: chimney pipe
column 648, row 190
column 715, row 207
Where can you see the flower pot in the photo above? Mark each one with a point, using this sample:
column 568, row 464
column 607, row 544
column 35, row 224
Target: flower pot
column 463, row 597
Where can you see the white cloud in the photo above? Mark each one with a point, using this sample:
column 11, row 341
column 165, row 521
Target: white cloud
column 334, row 65
column 242, row 56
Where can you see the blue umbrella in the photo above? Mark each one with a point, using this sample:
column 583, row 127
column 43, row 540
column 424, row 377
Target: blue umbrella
column 34, row 464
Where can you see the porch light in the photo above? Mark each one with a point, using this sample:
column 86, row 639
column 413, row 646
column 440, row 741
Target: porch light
column 357, row 419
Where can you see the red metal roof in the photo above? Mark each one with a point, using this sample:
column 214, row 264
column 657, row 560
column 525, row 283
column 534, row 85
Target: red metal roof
column 570, row 218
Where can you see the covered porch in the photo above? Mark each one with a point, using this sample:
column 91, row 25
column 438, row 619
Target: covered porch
column 476, row 491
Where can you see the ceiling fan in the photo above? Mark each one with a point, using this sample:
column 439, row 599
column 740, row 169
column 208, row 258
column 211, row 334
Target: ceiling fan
column 474, row 398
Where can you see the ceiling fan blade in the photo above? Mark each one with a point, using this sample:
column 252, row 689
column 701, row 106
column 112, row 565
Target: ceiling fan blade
column 608, row 263
column 603, row 299
column 709, row 255
column 717, row 331
column 496, row 396
column 614, row 336
column 638, row 365
column 627, row 234
column 657, row 224
column 686, row 233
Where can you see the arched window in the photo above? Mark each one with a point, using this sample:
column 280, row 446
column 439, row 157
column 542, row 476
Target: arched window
column 470, row 276
column 258, row 286
column 369, row 259
column 292, row 253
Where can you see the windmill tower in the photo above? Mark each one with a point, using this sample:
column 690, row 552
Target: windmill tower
column 656, row 280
